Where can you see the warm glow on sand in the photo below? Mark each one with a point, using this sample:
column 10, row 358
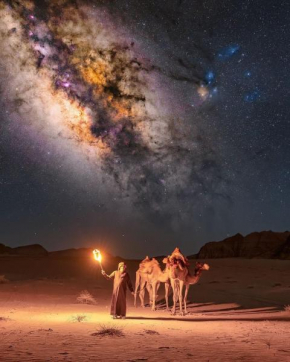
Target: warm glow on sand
column 42, row 320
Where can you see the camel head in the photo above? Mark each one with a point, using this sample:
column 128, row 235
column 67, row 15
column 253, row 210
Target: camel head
column 166, row 260
column 199, row 267
column 177, row 270
column 174, row 264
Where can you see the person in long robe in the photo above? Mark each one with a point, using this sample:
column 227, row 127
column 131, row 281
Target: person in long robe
column 121, row 282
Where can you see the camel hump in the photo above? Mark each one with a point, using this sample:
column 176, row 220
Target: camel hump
column 146, row 259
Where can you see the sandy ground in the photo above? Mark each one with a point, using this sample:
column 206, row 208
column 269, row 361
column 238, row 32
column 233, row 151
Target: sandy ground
column 236, row 313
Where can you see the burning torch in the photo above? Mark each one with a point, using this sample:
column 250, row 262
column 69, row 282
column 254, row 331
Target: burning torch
column 98, row 257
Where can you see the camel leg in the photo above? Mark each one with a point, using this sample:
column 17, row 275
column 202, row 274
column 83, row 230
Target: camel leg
column 167, row 286
column 181, row 284
column 137, row 284
column 176, row 291
column 135, row 298
column 149, row 290
column 154, row 287
column 142, row 293
column 185, row 298
column 157, row 288
column 173, row 286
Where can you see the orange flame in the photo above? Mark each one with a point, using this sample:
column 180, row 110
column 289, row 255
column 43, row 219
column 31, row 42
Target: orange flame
column 97, row 255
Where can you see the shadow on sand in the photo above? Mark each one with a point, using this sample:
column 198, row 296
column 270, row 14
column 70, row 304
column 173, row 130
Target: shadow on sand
column 214, row 319
column 209, row 312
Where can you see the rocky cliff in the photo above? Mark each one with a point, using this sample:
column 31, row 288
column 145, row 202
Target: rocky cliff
column 265, row 244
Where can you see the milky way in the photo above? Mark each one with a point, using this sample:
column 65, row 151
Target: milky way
column 138, row 113
column 89, row 88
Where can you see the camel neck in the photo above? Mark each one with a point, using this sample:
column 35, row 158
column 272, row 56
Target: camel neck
column 195, row 278
column 163, row 277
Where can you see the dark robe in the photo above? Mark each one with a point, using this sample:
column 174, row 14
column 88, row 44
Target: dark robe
column 121, row 281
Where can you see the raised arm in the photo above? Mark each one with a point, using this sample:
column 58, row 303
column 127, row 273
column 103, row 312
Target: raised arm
column 111, row 276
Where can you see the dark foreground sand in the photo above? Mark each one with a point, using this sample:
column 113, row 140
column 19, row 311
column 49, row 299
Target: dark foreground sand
column 236, row 313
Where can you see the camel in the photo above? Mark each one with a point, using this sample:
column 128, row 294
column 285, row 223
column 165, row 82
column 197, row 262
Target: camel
column 141, row 280
column 180, row 277
column 190, row 280
column 149, row 276
column 178, row 271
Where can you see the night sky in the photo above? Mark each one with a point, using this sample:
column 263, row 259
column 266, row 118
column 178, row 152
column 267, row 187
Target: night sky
column 143, row 125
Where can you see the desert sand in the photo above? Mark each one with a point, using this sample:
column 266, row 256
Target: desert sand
column 236, row 313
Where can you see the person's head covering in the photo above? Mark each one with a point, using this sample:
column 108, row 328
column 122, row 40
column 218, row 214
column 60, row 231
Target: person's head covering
column 122, row 264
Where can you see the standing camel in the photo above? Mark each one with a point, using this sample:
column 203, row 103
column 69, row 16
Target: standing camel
column 142, row 281
column 177, row 277
column 149, row 276
column 190, row 280
column 178, row 270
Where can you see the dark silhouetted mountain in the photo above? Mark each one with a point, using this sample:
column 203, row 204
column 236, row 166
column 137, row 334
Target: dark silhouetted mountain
column 34, row 249
column 4, row 249
column 71, row 253
column 265, row 244
column 78, row 253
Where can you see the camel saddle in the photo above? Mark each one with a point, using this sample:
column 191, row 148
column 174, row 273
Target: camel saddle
column 178, row 258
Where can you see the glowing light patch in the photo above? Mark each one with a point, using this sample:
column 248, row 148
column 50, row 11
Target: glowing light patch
column 97, row 255
column 203, row 92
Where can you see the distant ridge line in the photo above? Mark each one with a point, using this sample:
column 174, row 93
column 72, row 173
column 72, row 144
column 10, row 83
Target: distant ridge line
column 263, row 245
